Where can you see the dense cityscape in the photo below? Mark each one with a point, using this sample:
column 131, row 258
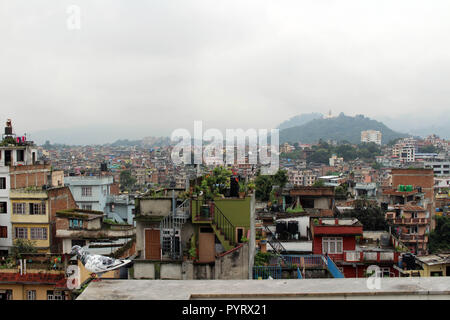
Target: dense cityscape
column 224, row 158
column 387, row 205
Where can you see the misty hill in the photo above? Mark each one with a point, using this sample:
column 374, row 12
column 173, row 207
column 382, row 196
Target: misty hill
column 341, row 128
column 299, row 120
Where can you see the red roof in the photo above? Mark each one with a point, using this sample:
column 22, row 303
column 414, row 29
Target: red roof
column 59, row 280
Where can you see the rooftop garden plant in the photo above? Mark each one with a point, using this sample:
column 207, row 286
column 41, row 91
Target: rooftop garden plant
column 214, row 184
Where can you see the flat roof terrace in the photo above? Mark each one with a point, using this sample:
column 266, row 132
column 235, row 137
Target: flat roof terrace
column 348, row 288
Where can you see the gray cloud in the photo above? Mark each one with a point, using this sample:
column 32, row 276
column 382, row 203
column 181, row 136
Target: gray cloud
column 158, row 65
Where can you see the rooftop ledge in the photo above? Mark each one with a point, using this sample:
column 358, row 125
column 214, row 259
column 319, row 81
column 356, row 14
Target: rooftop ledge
column 347, row 288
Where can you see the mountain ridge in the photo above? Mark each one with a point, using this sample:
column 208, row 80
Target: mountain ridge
column 340, row 128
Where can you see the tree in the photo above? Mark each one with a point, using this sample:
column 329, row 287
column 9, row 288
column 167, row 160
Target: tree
column 371, row 216
column 264, row 184
column 318, row 183
column 21, row 246
column 280, row 178
column 127, row 181
column 263, row 187
column 439, row 240
column 429, row 149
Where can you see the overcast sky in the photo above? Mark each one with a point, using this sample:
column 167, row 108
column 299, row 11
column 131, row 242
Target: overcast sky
column 153, row 66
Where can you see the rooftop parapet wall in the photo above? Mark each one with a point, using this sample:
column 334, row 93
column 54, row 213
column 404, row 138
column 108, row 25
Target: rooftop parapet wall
column 312, row 191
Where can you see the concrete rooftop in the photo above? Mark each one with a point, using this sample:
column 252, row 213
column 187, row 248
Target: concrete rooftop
column 349, row 288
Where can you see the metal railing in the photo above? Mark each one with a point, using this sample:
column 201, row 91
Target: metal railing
column 274, row 243
column 304, row 261
column 264, row 272
column 170, row 233
column 224, row 225
column 332, row 268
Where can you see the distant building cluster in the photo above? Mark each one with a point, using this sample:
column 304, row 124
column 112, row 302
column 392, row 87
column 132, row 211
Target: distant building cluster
column 204, row 222
column 371, row 136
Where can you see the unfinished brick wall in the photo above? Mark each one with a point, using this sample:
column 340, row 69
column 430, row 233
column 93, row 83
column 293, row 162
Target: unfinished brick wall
column 28, row 176
column 417, row 178
column 114, row 188
column 59, row 199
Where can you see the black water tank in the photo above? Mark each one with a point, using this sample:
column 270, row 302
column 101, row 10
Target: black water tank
column 293, row 227
column 281, row 227
column 409, row 260
column 8, row 130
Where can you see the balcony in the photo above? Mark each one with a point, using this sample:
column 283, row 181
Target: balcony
column 412, row 237
column 409, row 221
column 370, row 256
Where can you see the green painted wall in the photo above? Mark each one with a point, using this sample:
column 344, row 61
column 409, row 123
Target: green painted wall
column 236, row 210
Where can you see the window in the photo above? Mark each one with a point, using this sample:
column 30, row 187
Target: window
column 75, row 224
column 38, row 233
column 332, row 245
column 86, row 191
column 37, row 208
column 20, row 155
column 3, row 232
column 6, row 294
column 18, row 208
column 170, row 244
column 413, row 229
column 55, row 295
column 2, row 183
column 3, row 207
column 86, row 206
column 385, row 272
column 31, row 295
column 21, row 233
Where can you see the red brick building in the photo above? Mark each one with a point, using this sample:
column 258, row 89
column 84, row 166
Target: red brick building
column 338, row 239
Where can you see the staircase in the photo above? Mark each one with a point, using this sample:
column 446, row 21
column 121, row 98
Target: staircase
column 171, row 226
column 332, row 268
column 224, row 229
column 276, row 245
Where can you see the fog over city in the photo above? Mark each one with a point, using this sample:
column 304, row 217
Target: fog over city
column 145, row 68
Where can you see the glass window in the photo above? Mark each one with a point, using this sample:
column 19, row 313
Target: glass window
column 332, row 245
column 86, row 191
column 38, row 233
column 21, row 233
column 19, row 208
column 3, row 207
column 55, row 295
column 31, row 294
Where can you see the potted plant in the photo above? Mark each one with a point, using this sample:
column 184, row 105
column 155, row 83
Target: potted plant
column 251, row 186
column 242, row 190
column 192, row 253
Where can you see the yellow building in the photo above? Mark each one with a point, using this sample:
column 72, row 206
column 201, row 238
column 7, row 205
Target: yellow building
column 435, row 265
column 33, row 285
column 30, row 218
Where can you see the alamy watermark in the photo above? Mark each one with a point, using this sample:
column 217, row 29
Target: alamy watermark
column 73, row 21
column 374, row 280
column 241, row 147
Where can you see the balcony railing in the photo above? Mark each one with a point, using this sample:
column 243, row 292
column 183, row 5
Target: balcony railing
column 367, row 256
column 412, row 237
column 410, row 220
